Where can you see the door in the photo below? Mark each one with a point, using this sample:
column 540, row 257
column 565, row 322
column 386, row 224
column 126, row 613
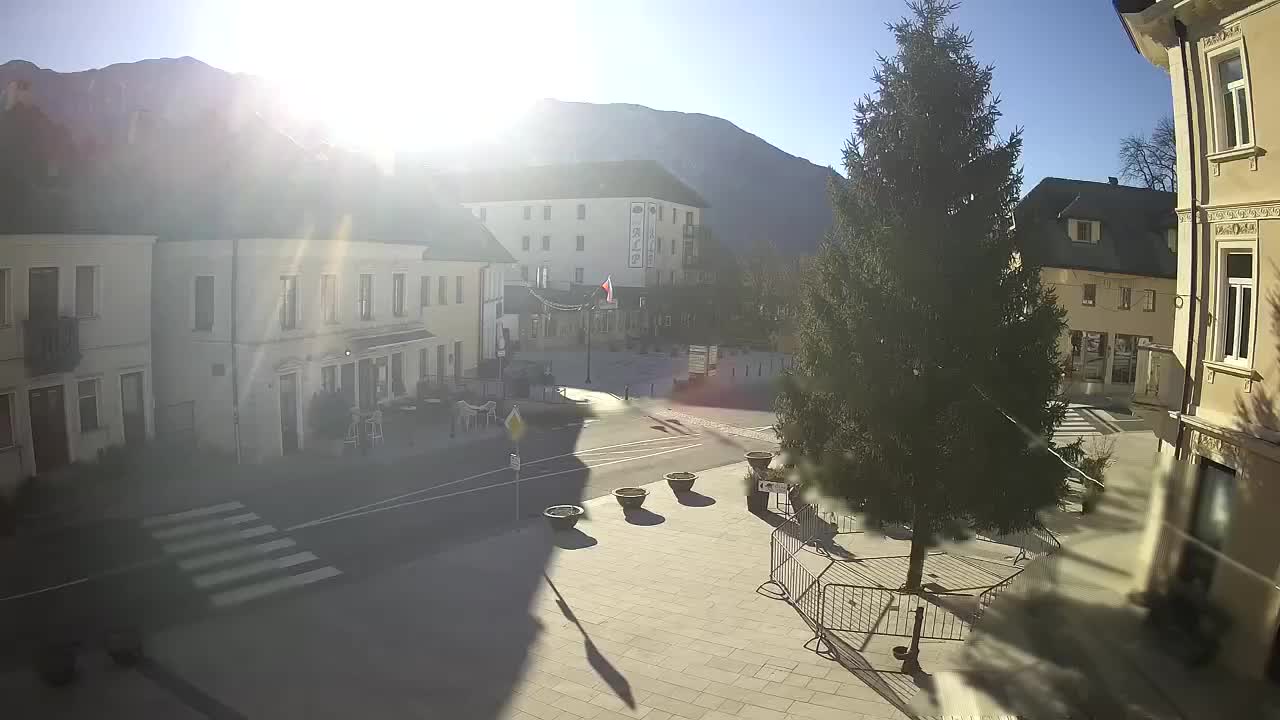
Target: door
column 368, row 397
column 42, row 293
column 133, row 409
column 48, row 428
column 457, row 360
column 289, row 413
column 348, row 384
column 440, row 363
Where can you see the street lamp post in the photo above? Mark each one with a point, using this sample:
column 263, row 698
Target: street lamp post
column 591, row 308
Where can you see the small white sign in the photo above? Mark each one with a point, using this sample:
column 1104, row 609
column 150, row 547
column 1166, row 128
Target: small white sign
column 515, row 461
column 772, row 487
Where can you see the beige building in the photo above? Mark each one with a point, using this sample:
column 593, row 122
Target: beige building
column 75, row 349
column 1212, row 532
column 1108, row 250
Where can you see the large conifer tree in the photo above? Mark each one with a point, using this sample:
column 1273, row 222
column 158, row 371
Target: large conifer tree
column 922, row 335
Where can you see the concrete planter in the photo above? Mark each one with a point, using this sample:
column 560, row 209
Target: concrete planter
column 630, row 498
column 680, row 482
column 563, row 517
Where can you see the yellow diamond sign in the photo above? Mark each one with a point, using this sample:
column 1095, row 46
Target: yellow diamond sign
column 515, row 424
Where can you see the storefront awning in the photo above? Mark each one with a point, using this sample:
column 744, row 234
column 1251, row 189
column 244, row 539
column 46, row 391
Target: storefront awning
column 377, row 342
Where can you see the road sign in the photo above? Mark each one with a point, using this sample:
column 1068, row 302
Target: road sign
column 515, row 461
column 515, row 424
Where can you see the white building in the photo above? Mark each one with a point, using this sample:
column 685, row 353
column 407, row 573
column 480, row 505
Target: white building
column 580, row 223
column 260, row 325
column 75, row 349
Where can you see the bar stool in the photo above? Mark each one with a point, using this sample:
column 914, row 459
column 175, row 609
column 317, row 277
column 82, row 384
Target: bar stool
column 375, row 428
column 353, row 431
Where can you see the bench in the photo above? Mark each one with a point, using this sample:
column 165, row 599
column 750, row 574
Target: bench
column 1188, row 624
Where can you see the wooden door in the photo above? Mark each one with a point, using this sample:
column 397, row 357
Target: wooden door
column 289, row 413
column 133, row 409
column 48, row 428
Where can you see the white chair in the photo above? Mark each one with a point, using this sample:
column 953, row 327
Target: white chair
column 353, row 431
column 375, row 428
column 490, row 410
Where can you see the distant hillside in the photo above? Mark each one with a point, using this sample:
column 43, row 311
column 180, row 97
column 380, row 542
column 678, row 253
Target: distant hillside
column 756, row 191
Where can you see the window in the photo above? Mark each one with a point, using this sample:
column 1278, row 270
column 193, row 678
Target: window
column 1090, row 295
column 1233, row 94
column 546, row 242
column 673, row 247
column 581, row 243
column 1237, row 307
column 424, row 291
column 457, row 290
column 288, row 302
column 397, row 373
column 671, row 278
column 1171, row 239
column 546, row 212
column 1148, row 301
column 528, row 212
column 1124, row 360
column 582, row 211
column 329, row 299
column 6, row 421
column 88, row 392
column 1095, row 355
column 4, row 302
column 442, row 292
column 483, row 214
column 688, row 217
column 524, row 272
column 1084, row 231
column 659, row 246
column 661, row 209
column 86, row 289
column 524, row 243
column 366, row 297
column 1126, row 298
column 422, row 363
column 329, row 378
column 380, row 377
column 397, row 294
column 204, row 302
column 577, row 275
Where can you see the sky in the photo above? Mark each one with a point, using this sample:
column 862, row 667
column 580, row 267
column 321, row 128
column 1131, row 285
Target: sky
column 428, row 74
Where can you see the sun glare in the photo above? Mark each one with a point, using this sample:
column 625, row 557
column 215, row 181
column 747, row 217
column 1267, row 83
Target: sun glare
column 383, row 74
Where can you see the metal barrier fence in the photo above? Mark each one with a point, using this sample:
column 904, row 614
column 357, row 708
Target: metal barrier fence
column 881, row 611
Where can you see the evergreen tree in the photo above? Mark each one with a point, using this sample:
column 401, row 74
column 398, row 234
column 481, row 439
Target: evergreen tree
column 921, row 333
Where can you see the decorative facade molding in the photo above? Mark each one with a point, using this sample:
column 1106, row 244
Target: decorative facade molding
column 1230, row 32
column 1247, row 228
column 1247, row 212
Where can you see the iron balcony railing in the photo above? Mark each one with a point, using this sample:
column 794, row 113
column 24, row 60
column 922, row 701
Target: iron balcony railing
column 51, row 344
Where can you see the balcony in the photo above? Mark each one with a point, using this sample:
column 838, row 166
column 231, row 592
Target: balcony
column 51, row 344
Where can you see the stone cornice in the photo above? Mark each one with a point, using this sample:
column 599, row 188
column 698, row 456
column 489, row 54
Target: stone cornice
column 1257, row 211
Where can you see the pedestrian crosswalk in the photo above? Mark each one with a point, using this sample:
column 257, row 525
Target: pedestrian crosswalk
column 230, row 553
column 1074, row 425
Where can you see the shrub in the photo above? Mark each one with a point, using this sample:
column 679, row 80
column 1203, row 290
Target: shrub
column 330, row 415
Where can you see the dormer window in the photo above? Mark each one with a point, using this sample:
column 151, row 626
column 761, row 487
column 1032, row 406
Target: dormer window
column 1084, row 231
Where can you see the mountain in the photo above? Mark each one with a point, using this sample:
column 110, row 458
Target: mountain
column 756, row 191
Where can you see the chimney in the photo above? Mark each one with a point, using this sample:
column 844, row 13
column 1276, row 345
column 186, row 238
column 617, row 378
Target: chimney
column 1113, row 180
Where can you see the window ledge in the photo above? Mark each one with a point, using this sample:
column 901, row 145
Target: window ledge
column 1253, row 152
column 1240, row 371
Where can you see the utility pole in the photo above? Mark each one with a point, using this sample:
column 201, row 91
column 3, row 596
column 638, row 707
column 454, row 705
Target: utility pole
column 591, row 308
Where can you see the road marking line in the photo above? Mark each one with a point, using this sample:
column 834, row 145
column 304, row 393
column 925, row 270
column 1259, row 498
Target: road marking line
column 203, row 526
column 190, row 514
column 477, row 476
column 262, row 589
column 217, row 558
column 222, row 577
column 209, row 541
column 348, row 516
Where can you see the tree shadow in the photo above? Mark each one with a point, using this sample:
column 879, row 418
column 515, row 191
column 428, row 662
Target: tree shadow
column 643, row 517
column 607, row 672
column 693, row 498
column 1256, row 409
column 573, row 539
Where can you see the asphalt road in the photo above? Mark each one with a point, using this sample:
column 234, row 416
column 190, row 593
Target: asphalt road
column 340, row 526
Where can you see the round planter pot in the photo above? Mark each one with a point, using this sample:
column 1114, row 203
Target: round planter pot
column 630, row 498
column 680, row 482
column 563, row 517
column 759, row 460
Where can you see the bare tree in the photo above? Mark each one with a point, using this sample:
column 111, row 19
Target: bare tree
column 1151, row 161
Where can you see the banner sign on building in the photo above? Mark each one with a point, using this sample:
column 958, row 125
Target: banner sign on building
column 651, row 233
column 635, row 255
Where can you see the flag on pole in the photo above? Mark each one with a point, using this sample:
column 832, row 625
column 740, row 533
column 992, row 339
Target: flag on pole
column 607, row 285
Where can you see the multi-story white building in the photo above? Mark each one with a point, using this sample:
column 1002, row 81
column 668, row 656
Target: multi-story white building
column 580, row 223
column 75, row 349
column 253, row 328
